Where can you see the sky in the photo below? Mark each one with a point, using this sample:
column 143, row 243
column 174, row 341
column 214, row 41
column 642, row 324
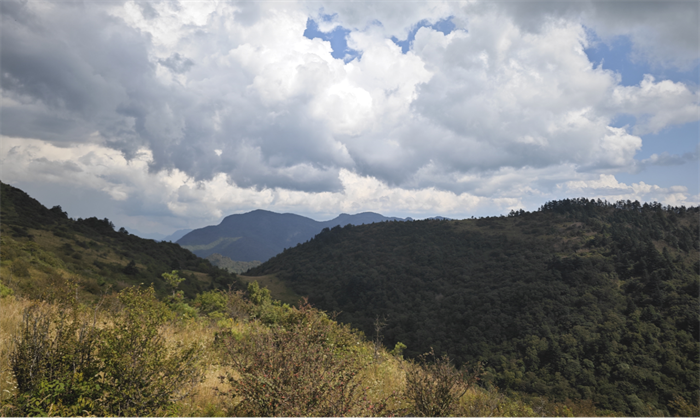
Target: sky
column 164, row 115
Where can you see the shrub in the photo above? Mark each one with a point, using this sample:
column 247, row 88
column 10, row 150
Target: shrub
column 297, row 371
column 66, row 365
column 434, row 388
column 140, row 373
column 20, row 268
column 53, row 362
column 211, row 302
column 5, row 291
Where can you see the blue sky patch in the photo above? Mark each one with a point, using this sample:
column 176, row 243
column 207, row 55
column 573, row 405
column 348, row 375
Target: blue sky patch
column 617, row 55
column 337, row 37
column 443, row 25
column 676, row 139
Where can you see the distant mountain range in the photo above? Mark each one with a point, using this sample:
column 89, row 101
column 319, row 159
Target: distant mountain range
column 260, row 234
column 176, row 235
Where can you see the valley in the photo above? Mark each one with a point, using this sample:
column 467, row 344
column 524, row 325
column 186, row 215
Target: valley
column 580, row 308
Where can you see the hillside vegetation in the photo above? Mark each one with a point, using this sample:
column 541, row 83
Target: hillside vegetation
column 96, row 322
column 580, row 300
column 242, row 355
column 40, row 246
column 230, row 265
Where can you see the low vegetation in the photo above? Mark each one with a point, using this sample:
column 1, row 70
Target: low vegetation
column 232, row 266
column 244, row 354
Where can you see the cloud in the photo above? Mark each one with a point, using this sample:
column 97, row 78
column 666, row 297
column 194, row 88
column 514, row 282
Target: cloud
column 665, row 159
column 662, row 32
column 137, row 197
column 176, row 63
column 658, row 105
column 232, row 97
column 608, row 188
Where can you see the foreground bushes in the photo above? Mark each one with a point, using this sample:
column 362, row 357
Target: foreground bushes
column 263, row 358
column 67, row 365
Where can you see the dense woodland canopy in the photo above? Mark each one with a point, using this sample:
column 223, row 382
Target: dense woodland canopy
column 582, row 299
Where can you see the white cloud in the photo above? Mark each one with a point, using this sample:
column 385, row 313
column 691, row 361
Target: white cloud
column 199, row 108
column 657, row 104
column 608, row 188
column 165, row 201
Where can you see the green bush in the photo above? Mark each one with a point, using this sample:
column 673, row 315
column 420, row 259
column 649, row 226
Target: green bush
column 66, row 365
column 20, row 268
column 53, row 362
column 141, row 373
column 5, row 291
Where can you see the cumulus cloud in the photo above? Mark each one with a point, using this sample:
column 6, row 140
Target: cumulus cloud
column 608, row 188
column 228, row 100
column 170, row 199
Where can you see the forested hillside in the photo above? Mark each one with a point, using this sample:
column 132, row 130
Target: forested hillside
column 40, row 246
column 582, row 299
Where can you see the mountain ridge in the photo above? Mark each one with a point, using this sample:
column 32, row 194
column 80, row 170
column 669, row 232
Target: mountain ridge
column 261, row 234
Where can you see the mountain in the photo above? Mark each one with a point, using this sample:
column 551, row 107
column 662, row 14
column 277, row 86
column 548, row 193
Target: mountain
column 261, row 234
column 176, row 235
column 40, row 246
column 582, row 299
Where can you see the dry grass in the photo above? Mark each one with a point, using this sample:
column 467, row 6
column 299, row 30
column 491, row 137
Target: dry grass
column 384, row 380
column 10, row 322
column 205, row 400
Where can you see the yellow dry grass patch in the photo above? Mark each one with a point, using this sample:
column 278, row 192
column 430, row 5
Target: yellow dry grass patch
column 210, row 397
column 10, row 322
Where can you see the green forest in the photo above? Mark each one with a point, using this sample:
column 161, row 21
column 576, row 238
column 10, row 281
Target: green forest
column 581, row 299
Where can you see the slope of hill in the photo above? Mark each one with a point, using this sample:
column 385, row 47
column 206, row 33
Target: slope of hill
column 581, row 300
column 230, row 265
column 40, row 246
column 261, row 234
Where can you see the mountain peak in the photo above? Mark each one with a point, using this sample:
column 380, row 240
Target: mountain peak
column 261, row 234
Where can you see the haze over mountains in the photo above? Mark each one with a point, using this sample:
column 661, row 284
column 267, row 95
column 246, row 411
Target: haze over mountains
column 260, row 234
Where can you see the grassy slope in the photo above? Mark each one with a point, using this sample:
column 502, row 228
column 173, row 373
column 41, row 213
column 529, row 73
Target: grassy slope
column 382, row 376
column 40, row 245
column 237, row 267
column 278, row 289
